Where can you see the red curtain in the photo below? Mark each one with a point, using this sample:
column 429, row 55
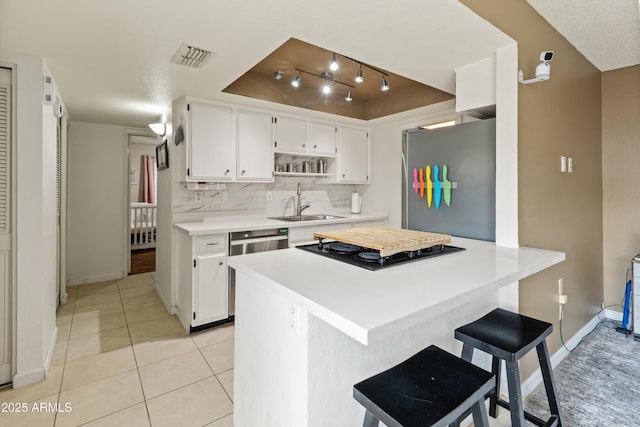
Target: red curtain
column 147, row 179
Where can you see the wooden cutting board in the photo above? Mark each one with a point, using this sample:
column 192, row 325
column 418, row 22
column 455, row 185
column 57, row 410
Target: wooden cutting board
column 387, row 240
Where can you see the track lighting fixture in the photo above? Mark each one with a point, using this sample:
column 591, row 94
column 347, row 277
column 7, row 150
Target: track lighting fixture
column 359, row 77
column 348, row 98
column 277, row 75
column 327, row 77
column 296, row 82
column 334, row 64
column 385, row 85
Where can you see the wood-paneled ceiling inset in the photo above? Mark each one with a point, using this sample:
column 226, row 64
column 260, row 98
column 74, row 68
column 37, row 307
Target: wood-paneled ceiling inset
column 369, row 102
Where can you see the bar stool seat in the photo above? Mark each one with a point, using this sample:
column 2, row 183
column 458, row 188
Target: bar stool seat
column 509, row 336
column 431, row 388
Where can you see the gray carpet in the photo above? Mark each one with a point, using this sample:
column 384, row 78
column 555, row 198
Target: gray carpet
column 598, row 383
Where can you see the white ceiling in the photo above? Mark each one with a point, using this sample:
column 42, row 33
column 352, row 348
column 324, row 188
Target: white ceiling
column 111, row 58
column 606, row 32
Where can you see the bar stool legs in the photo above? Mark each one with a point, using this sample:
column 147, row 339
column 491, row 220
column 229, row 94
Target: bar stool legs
column 509, row 336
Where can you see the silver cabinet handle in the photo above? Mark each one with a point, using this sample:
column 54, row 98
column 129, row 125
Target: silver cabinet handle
column 243, row 172
column 315, row 146
column 304, row 145
column 343, row 175
column 213, row 244
column 220, row 263
column 226, row 172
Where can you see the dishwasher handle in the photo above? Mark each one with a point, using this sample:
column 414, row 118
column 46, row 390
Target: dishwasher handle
column 258, row 240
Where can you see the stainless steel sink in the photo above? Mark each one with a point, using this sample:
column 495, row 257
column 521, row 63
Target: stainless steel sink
column 294, row 218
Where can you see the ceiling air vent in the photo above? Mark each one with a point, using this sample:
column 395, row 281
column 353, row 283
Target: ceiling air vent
column 190, row 56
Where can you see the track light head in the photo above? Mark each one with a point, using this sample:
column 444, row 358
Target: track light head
column 278, row 75
column 296, row 82
column 334, row 64
column 348, row 98
column 359, row 77
column 385, row 85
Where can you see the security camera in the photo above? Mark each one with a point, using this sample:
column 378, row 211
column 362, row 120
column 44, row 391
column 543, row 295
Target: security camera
column 546, row 56
column 543, row 70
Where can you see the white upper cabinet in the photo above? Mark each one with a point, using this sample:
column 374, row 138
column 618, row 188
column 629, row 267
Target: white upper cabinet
column 211, row 142
column 322, row 138
column 290, row 135
column 353, row 156
column 255, row 154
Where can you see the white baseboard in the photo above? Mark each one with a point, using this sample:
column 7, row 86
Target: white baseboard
column 535, row 379
column 170, row 308
column 25, row 378
column 613, row 315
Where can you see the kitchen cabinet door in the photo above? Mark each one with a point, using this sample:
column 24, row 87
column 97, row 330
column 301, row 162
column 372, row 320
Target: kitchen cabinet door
column 291, row 135
column 212, row 144
column 322, row 139
column 353, row 156
column 255, row 154
column 211, row 289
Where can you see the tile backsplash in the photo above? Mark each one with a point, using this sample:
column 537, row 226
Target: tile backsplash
column 275, row 198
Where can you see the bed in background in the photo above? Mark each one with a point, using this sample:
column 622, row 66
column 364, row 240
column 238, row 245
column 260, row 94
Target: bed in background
column 143, row 225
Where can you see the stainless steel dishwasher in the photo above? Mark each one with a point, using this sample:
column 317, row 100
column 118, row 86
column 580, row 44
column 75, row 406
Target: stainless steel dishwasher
column 249, row 242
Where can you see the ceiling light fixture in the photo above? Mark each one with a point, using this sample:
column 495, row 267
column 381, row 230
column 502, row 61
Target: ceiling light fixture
column 334, row 64
column 158, row 128
column 296, row 82
column 385, row 85
column 439, row 125
column 327, row 77
column 277, row 75
column 359, row 77
column 348, row 98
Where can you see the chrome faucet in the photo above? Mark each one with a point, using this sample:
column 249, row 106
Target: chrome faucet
column 300, row 207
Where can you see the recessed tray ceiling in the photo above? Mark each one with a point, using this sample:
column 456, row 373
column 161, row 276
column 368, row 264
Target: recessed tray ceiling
column 369, row 102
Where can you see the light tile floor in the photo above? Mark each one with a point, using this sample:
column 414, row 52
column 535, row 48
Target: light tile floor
column 122, row 360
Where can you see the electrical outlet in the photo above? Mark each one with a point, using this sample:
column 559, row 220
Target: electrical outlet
column 560, row 286
column 269, row 196
column 198, row 196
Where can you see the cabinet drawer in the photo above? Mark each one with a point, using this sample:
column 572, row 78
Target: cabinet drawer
column 211, row 245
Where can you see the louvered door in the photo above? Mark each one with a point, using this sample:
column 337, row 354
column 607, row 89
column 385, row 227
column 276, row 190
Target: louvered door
column 5, row 225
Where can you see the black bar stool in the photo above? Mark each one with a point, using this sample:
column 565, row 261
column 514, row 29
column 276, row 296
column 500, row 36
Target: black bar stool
column 509, row 336
column 431, row 388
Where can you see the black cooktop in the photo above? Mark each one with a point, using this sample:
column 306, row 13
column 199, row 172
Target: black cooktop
column 370, row 258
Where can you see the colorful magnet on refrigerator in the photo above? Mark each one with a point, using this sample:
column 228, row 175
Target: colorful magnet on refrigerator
column 437, row 187
column 446, row 186
column 421, row 183
column 416, row 184
column 429, row 186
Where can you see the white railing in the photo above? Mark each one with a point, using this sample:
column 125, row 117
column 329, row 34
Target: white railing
column 143, row 226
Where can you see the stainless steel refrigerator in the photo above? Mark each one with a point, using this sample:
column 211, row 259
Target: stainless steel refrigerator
column 449, row 179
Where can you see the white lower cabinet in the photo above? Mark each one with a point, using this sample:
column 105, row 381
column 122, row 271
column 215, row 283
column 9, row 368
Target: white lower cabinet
column 203, row 295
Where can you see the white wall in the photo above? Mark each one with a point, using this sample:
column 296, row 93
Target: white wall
column 34, row 224
column 95, row 215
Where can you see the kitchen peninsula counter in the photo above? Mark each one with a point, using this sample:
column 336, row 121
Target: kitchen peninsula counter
column 309, row 327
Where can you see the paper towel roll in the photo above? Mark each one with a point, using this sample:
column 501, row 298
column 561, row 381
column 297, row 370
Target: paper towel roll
column 356, row 203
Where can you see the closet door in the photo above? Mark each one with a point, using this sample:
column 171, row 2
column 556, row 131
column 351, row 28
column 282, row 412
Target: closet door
column 5, row 225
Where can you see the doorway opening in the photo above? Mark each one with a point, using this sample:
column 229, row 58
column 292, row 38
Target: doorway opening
column 142, row 208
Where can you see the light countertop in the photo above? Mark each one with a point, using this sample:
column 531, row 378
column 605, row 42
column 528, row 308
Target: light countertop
column 369, row 305
column 227, row 224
